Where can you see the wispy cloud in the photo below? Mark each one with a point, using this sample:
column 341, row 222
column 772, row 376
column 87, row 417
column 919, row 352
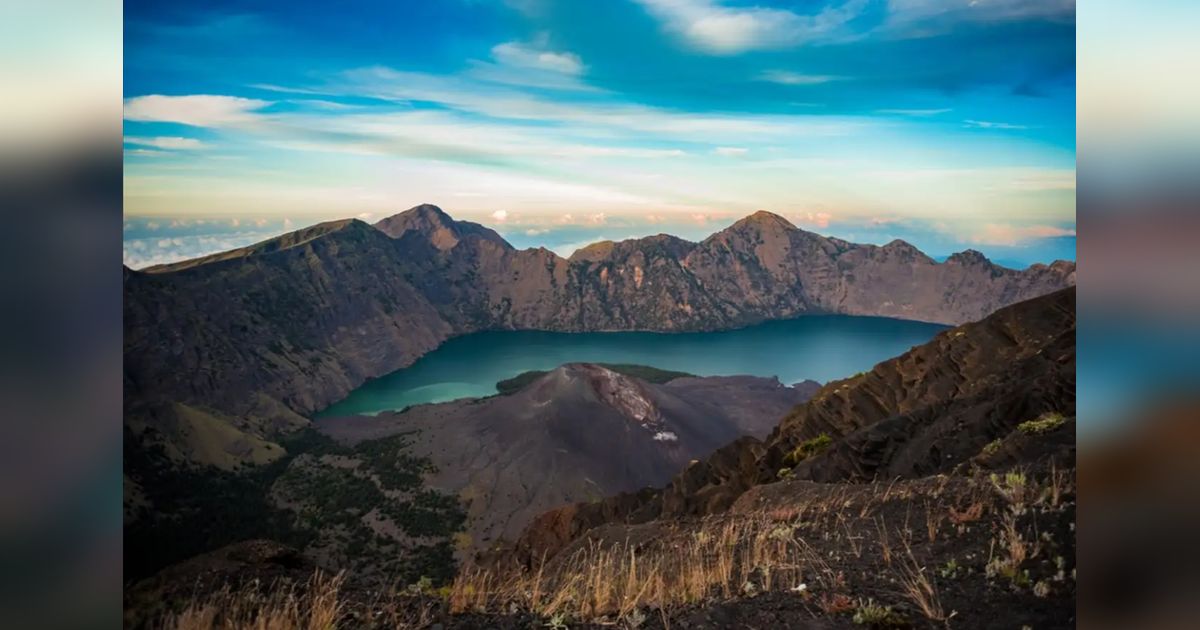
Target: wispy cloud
column 1010, row 235
column 386, row 83
column 786, row 77
column 731, row 151
column 531, row 65
column 169, row 143
column 521, row 55
column 986, row 124
column 197, row 110
column 713, row 27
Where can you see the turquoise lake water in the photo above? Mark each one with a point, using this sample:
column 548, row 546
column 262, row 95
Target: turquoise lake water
column 818, row 347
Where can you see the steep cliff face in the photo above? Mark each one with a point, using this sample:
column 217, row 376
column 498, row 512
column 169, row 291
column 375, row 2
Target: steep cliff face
column 294, row 323
column 927, row 411
column 299, row 321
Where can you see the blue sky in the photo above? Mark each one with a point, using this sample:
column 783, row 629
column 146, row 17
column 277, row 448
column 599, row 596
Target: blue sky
column 949, row 124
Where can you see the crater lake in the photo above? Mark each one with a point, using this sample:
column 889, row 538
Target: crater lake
column 817, row 347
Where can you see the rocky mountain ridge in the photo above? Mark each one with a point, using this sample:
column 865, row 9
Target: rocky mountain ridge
column 292, row 324
column 956, row 401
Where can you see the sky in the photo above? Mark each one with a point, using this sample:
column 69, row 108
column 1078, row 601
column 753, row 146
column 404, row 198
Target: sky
column 950, row 124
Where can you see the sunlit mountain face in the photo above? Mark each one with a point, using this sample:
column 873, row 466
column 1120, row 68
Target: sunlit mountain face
column 949, row 125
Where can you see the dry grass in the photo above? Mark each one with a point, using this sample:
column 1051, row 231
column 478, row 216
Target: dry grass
column 816, row 548
column 317, row 608
column 969, row 514
column 1059, row 484
column 724, row 559
column 933, row 522
column 918, row 588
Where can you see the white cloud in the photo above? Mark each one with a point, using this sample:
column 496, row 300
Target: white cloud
column 731, row 151
column 600, row 118
column 786, row 77
column 260, row 222
column 197, row 110
column 819, row 219
column 1001, row 234
column 710, row 26
column 536, row 231
column 500, row 216
column 288, row 224
column 599, row 218
column 523, row 64
column 365, row 215
column 984, row 124
column 521, row 55
column 166, row 142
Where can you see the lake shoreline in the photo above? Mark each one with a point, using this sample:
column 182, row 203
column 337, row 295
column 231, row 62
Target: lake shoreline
column 819, row 347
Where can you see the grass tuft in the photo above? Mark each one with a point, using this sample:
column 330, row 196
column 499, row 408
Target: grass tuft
column 1044, row 423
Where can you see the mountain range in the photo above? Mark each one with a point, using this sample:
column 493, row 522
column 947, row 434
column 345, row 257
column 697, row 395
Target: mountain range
column 242, row 345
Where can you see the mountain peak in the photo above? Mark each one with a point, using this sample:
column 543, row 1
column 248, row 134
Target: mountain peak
column 762, row 218
column 905, row 251
column 430, row 211
column 968, row 257
column 900, row 244
column 430, row 221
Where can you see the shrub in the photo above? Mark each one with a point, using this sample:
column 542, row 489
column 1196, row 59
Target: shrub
column 1044, row 423
column 874, row 616
column 807, row 449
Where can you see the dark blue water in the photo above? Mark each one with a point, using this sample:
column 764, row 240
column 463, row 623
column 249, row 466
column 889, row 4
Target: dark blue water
column 819, row 347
